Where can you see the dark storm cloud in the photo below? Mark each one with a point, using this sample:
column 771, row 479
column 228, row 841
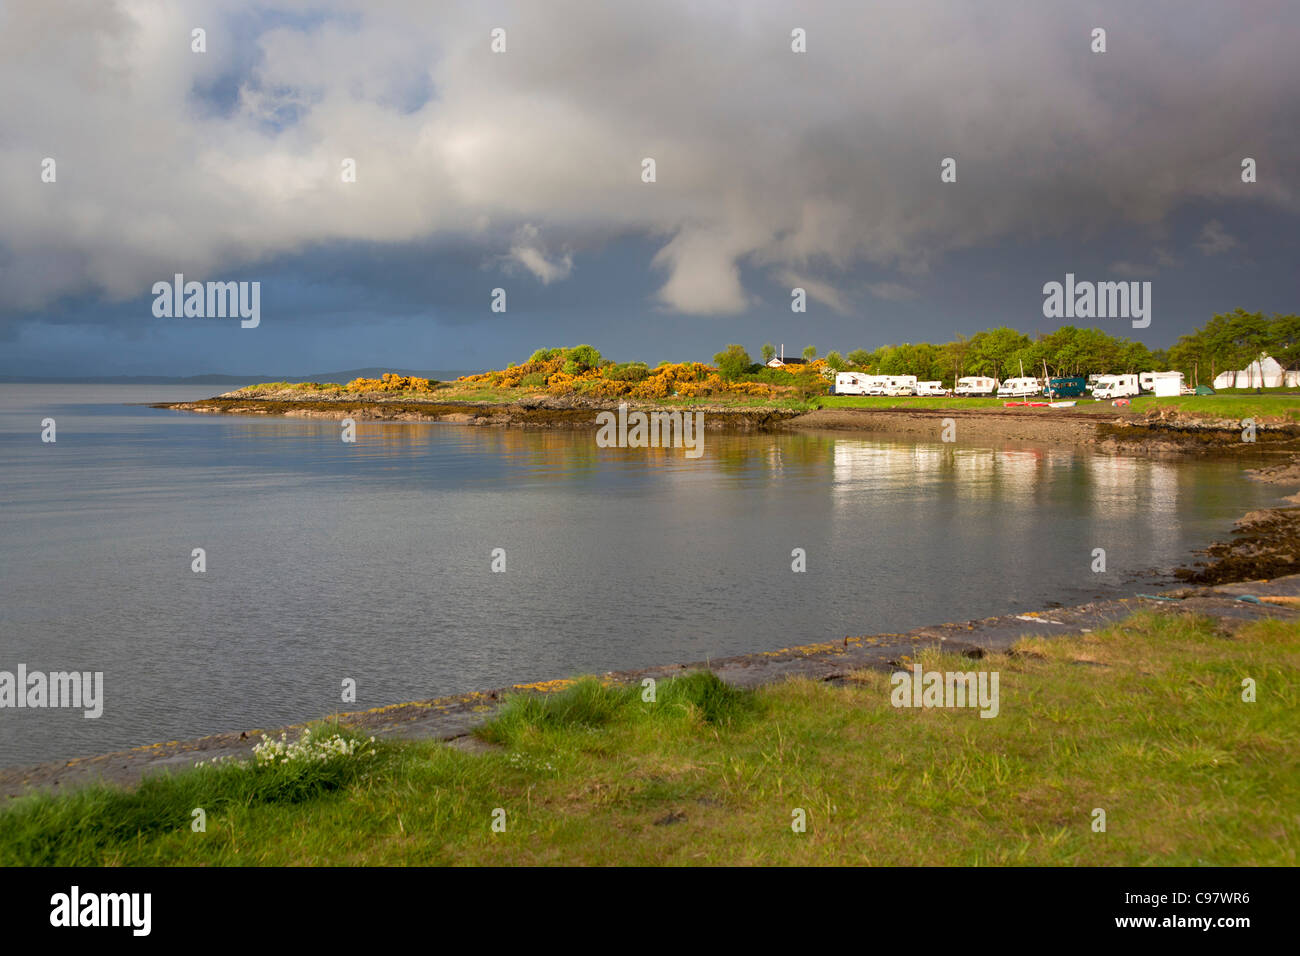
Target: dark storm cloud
column 819, row 168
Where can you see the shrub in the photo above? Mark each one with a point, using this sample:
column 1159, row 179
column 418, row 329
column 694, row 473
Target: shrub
column 582, row 357
column 628, row 372
column 733, row 362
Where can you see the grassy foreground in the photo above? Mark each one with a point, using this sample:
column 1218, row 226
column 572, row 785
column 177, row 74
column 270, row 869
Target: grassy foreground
column 1229, row 405
column 1145, row 720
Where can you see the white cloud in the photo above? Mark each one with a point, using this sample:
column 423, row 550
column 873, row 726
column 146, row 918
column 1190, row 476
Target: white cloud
column 817, row 290
column 529, row 252
column 704, row 276
column 1214, row 239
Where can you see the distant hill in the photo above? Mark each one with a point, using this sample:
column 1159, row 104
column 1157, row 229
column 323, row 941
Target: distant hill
column 347, row 375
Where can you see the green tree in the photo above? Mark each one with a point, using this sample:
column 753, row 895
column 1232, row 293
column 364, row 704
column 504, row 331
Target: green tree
column 578, row 359
column 810, row 352
column 732, row 362
column 1284, row 339
column 860, row 358
column 768, row 352
column 836, row 361
column 955, row 356
column 996, row 352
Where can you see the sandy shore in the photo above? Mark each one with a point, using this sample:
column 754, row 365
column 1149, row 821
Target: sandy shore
column 970, row 425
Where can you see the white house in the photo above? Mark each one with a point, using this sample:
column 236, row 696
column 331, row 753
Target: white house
column 780, row 361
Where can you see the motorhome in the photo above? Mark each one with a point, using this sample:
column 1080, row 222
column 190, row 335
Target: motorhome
column 1116, row 386
column 900, row 384
column 930, row 388
column 975, row 386
column 1019, row 388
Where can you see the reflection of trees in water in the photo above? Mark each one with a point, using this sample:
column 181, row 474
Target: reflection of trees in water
column 734, row 453
column 1151, row 490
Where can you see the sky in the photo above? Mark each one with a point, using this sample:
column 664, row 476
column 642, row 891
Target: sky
column 523, row 170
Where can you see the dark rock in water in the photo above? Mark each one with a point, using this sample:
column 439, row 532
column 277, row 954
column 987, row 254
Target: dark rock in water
column 1265, row 544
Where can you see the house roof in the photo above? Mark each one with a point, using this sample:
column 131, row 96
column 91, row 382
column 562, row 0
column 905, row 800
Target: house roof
column 791, row 361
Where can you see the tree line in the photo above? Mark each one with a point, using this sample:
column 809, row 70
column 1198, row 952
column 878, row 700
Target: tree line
column 1229, row 341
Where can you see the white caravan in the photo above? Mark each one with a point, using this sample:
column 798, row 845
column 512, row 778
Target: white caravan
column 930, row 388
column 854, row 383
column 1020, row 388
column 1167, row 383
column 1116, row 386
column 974, row 385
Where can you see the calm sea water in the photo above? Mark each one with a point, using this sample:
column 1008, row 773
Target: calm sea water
column 372, row 561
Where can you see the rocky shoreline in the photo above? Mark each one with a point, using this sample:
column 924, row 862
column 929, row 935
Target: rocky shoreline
column 541, row 413
column 452, row 719
column 1162, row 431
column 1264, row 544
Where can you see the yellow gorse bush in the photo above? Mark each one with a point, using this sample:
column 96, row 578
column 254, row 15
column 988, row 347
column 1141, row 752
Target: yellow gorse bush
column 390, row 383
column 689, row 379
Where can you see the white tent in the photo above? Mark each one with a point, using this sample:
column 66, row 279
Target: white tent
column 1292, row 380
column 1264, row 372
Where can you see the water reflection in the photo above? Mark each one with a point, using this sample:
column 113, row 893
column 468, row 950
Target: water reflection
column 372, row 560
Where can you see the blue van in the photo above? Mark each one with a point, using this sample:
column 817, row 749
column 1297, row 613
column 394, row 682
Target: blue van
column 1067, row 387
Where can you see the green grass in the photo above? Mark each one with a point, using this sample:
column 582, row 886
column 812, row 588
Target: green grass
column 1243, row 405
column 1238, row 404
column 589, row 704
column 92, row 824
column 1144, row 720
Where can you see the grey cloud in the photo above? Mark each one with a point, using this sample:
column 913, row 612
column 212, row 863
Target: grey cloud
column 811, row 163
column 1214, row 239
